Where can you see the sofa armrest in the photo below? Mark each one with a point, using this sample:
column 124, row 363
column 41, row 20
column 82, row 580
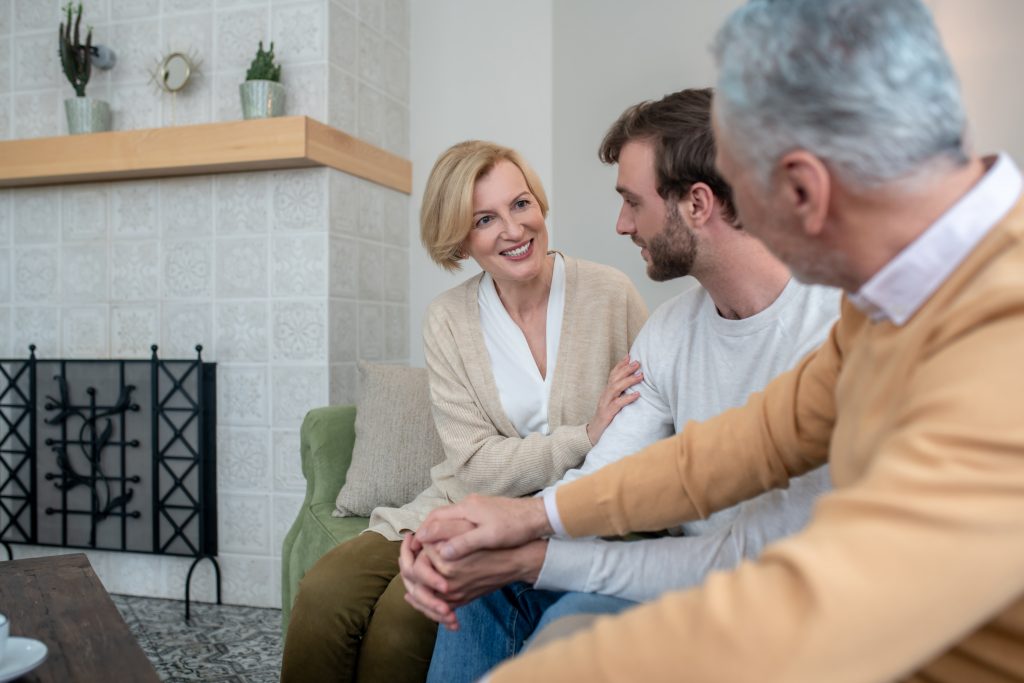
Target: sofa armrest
column 326, row 441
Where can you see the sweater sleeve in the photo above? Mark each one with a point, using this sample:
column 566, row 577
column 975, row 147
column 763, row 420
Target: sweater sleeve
column 643, row 570
column 893, row 570
column 484, row 460
column 638, row 424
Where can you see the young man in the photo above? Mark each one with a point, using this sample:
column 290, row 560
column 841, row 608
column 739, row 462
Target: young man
column 841, row 133
column 743, row 322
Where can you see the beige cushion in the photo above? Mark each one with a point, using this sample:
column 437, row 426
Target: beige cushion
column 396, row 441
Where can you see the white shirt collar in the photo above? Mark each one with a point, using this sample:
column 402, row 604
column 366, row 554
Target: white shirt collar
column 902, row 286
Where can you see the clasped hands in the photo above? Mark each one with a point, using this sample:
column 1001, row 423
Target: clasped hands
column 469, row 549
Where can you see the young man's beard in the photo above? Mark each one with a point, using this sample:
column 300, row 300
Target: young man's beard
column 673, row 250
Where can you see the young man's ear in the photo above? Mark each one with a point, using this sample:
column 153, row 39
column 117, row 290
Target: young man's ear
column 805, row 185
column 698, row 204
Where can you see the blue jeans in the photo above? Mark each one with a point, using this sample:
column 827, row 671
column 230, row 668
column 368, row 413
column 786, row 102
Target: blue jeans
column 496, row 626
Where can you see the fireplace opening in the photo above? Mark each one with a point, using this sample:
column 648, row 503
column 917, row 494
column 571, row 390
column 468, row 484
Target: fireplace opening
column 110, row 454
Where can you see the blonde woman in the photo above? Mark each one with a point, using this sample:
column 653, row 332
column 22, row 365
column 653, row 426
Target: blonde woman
column 527, row 364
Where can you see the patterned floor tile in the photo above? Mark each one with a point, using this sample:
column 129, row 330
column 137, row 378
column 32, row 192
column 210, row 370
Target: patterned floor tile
column 220, row 643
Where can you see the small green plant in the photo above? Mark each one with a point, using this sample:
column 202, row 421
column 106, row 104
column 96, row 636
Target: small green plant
column 75, row 58
column 263, row 67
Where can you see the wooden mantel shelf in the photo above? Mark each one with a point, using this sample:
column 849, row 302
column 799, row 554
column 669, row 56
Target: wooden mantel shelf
column 253, row 145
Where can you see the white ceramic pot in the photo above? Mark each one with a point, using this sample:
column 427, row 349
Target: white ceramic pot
column 261, row 99
column 87, row 115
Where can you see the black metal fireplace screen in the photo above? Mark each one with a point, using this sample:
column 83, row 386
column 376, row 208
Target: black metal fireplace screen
column 110, row 455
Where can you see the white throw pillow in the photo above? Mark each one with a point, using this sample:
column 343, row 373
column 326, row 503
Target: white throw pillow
column 396, row 441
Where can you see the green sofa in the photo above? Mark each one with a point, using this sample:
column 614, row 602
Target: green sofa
column 326, row 441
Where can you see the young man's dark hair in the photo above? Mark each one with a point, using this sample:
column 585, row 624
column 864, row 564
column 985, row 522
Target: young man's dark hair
column 679, row 125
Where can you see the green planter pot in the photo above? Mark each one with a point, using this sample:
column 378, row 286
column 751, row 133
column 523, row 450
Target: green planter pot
column 261, row 99
column 87, row 115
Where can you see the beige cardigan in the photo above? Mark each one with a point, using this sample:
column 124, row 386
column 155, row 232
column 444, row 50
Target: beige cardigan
column 912, row 569
column 603, row 313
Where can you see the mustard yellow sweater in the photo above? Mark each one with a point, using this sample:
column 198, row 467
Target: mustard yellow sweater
column 912, row 569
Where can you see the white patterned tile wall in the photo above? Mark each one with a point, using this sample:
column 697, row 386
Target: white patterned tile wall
column 134, row 209
column 34, row 15
column 5, row 331
column 242, row 395
column 299, row 265
column 299, row 31
column 5, row 276
column 187, row 268
column 305, row 88
column 344, row 384
column 5, row 216
column 36, row 274
column 243, row 459
column 296, row 389
column 300, row 200
column 242, row 267
column 37, row 325
column 287, row 468
column 83, row 269
column 135, row 270
column 6, row 127
column 242, row 205
column 344, row 337
column 133, row 330
column 185, row 325
column 286, row 278
column 36, row 216
column 285, row 510
column 244, row 523
column 5, row 69
column 134, row 9
column 344, row 267
column 298, row 330
column 343, row 50
column 84, row 330
column 241, row 331
column 186, row 206
column 84, row 213
column 345, row 61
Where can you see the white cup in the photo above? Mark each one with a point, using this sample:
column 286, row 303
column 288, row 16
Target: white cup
column 4, row 630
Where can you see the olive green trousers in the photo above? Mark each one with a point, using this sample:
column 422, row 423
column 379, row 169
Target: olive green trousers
column 350, row 621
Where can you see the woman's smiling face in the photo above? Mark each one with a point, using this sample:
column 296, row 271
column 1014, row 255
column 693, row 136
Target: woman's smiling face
column 509, row 238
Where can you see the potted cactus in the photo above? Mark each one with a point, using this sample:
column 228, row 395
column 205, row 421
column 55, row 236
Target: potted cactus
column 262, row 92
column 85, row 114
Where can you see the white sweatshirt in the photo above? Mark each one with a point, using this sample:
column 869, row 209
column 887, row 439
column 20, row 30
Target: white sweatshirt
column 696, row 365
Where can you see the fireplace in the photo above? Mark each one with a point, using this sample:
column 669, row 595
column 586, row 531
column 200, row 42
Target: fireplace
column 110, row 455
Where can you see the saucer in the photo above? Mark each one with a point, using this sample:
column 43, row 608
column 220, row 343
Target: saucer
column 21, row 656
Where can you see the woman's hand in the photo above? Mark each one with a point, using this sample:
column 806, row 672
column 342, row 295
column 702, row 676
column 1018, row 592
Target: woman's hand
column 624, row 375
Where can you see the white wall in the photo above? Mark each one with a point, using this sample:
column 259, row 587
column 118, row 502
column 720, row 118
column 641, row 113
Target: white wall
column 607, row 59
column 480, row 69
column 550, row 76
column 983, row 41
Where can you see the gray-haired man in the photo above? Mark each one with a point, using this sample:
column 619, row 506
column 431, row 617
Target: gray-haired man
column 840, row 128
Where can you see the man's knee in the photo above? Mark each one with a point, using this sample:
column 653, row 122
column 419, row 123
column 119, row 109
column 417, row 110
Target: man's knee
column 575, row 612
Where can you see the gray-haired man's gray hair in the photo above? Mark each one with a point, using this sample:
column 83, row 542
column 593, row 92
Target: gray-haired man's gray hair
column 863, row 84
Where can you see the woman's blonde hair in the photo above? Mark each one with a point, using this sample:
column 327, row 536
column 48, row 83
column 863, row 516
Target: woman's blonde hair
column 447, row 213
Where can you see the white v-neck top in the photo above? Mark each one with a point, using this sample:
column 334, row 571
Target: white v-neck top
column 523, row 392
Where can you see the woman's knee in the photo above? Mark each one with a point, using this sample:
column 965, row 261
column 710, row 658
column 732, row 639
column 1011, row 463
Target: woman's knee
column 400, row 623
column 343, row 586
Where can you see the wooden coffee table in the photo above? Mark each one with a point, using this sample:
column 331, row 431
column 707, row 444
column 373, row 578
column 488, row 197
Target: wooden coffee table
column 60, row 601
